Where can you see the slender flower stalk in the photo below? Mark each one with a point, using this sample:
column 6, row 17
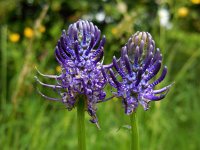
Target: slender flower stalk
column 134, row 132
column 81, row 123
column 3, row 65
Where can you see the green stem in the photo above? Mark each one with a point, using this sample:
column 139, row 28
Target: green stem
column 3, row 64
column 81, row 123
column 134, row 132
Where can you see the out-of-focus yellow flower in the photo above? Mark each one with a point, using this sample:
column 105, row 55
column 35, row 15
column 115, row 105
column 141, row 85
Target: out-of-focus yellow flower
column 58, row 69
column 28, row 32
column 55, row 6
column 183, row 12
column 114, row 31
column 42, row 29
column 122, row 7
column 14, row 37
column 195, row 1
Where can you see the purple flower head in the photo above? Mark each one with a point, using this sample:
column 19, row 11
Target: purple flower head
column 140, row 61
column 79, row 52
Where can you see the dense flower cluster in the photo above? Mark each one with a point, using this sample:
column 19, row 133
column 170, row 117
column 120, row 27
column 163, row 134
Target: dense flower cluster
column 82, row 71
column 79, row 52
column 140, row 61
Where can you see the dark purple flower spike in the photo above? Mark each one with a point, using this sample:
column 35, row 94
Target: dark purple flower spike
column 140, row 61
column 79, row 52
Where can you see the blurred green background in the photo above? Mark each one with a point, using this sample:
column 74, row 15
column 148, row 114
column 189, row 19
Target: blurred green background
column 29, row 33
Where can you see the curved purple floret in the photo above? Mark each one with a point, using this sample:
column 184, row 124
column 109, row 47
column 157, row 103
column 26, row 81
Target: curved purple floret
column 79, row 51
column 140, row 62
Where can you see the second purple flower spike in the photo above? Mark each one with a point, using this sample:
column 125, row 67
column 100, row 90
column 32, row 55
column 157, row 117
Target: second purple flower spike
column 140, row 61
